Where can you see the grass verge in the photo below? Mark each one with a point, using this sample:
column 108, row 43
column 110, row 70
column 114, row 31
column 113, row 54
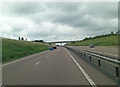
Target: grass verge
column 14, row 49
column 111, row 40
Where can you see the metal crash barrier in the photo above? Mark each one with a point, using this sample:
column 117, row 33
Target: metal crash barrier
column 108, row 65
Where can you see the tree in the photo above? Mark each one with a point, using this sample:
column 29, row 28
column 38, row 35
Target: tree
column 112, row 32
column 22, row 38
column 18, row 38
column 39, row 41
column 118, row 31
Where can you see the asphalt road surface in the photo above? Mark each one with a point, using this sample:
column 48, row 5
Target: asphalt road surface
column 111, row 51
column 57, row 67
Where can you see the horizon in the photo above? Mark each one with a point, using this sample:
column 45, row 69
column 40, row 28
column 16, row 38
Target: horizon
column 61, row 40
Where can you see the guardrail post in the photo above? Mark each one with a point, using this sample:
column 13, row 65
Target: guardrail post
column 84, row 56
column 99, row 63
column 81, row 54
column 90, row 58
column 116, row 69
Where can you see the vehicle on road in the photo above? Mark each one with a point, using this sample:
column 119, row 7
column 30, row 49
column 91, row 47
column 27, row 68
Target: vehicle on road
column 51, row 48
column 92, row 45
column 54, row 47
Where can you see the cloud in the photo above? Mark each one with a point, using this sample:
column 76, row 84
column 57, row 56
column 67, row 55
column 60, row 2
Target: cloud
column 55, row 21
column 21, row 8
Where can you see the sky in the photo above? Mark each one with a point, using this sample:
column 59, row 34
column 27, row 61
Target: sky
column 57, row 21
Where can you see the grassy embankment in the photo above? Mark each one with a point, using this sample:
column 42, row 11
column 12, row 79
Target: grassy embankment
column 14, row 49
column 111, row 40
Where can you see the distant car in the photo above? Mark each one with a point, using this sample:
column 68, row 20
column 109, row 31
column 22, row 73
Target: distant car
column 54, row 47
column 51, row 48
column 57, row 45
column 92, row 45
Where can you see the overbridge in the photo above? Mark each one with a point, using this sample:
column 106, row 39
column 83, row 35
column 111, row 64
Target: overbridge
column 53, row 42
column 60, row 42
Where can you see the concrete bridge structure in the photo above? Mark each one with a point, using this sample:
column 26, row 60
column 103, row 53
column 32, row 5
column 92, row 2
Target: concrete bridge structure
column 61, row 42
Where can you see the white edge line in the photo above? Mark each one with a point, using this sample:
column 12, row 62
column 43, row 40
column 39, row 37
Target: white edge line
column 84, row 73
column 21, row 59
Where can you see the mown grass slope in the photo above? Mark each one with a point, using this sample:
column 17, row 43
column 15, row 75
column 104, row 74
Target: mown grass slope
column 14, row 49
column 111, row 40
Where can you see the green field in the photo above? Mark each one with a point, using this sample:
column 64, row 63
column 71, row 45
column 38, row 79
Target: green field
column 14, row 49
column 111, row 40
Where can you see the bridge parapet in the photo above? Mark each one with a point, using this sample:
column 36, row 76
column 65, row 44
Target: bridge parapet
column 62, row 42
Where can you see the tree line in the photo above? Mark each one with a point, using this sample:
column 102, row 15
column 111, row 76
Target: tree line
column 99, row 36
column 38, row 41
column 22, row 38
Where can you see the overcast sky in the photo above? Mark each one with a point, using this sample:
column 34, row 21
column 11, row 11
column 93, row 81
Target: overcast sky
column 58, row 21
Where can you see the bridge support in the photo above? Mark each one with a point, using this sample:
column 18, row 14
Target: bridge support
column 61, row 44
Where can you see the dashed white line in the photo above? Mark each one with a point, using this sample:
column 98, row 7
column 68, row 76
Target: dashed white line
column 83, row 71
column 14, row 61
column 37, row 63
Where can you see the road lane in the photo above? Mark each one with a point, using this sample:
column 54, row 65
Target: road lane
column 56, row 69
column 111, row 51
column 83, row 71
column 53, row 68
column 31, row 56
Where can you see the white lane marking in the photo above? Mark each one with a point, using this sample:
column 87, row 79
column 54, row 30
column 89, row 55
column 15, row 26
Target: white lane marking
column 84, row 73
column 37, row 63
column 22, row 59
